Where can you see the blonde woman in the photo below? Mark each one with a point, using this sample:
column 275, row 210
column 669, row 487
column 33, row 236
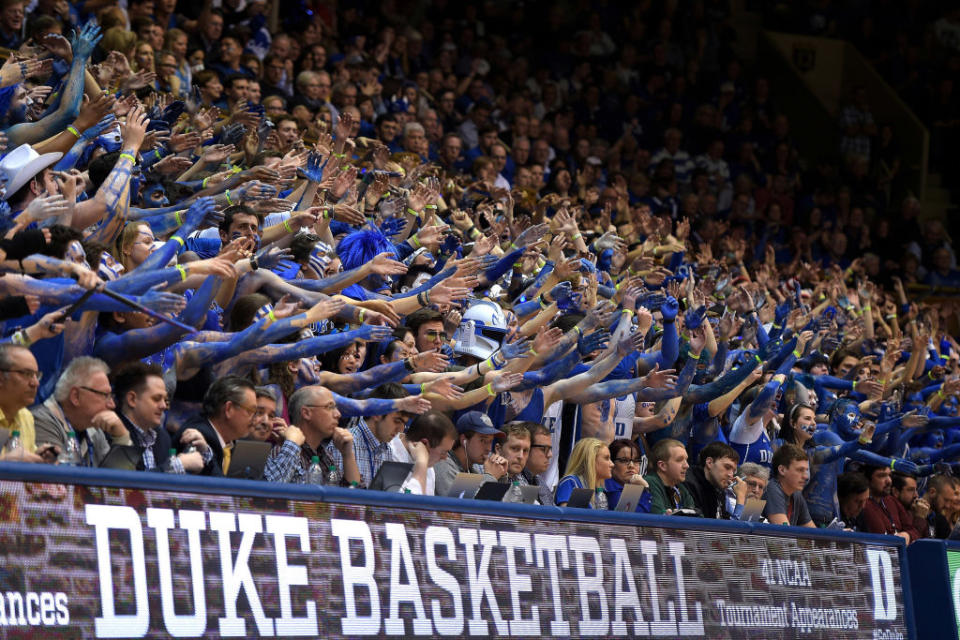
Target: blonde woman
column 589, row 467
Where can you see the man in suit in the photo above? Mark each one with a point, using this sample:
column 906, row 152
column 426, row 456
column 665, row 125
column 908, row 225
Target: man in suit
column 229, row 407
column 142, row 402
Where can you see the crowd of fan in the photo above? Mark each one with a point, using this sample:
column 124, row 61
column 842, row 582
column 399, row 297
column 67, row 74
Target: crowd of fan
column 508, row 242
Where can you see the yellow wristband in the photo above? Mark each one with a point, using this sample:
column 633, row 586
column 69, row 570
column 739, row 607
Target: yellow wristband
column 422, row 389
column 203, row 184
column 489, row 388
column 797, row 354
column 178, row 216
column 129, row 156
column 72, row 129
column 577, row 236
column 229, row 201
column 413, row 213
column 183, row 272
column 940, row 393
column 178, row 239
column 693, row 356
column 415, row 241
column 533, row 352
column 360, row 316
column 628, row 312
column 286, row 225
column 272, row 316
column 893, row 461
column 578, row 330
column 866, row 307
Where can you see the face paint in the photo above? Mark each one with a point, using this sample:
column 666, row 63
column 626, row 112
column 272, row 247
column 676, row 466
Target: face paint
column 75, row 253
column 846, row 419
column 319, row 259
column 109, row 268
column 110, row 140
column 155, row 195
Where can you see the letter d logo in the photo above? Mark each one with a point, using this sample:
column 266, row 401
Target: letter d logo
column 881, row 578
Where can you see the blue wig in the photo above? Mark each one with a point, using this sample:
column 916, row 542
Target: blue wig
column 360, row 247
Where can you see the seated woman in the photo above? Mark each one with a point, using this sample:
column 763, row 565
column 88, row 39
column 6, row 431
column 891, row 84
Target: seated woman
column 589, row 467
column 626, row 458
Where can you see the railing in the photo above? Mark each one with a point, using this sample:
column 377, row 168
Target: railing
column 123, row 554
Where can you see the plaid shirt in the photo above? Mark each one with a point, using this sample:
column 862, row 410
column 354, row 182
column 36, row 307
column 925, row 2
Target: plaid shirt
column 289, row 463
column 147, row 440
column 370, row 452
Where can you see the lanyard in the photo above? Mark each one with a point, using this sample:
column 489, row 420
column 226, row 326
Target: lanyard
column 893, row 524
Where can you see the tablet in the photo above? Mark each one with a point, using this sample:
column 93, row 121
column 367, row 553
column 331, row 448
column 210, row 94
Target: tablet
column 580, row 498
column 630, row 497
column 465, row 485
column 492, row 491
column 752, row 510
column 248, row 459
column 391, row 476
column 123, row 457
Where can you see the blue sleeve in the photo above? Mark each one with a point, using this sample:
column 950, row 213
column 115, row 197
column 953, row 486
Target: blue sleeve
column 565, row 488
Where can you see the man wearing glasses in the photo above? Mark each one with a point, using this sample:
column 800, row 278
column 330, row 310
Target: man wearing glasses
column 427, row 327
column 229, row 407
column 19, row 379
column 541, row 452
column 313, row 431
column 82, row 405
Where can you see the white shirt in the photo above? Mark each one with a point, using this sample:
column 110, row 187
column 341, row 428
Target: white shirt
column 400, row 454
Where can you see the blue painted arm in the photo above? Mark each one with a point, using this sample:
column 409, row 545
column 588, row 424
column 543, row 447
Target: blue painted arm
column 500, row 267
column 550, row 373
column 381, row 374
column 429, row 284
column 699, row 393
column 69, row 161
column 762, row 401
column 351, row 408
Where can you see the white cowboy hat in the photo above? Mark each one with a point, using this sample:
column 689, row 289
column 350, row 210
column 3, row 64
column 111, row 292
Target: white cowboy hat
column 22, row 164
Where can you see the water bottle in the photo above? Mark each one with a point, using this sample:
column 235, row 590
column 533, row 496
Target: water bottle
column 71, row 454
column 13, row 448
column 600, row 501
column 168, row 465
column 333, row 476
column 513, row 493
column 354, row 485
column 315, row 472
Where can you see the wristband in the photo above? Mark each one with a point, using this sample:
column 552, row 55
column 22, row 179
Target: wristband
column 72, row 129
column 230, row 202
column 576, row 236
column 578, row 330
column 156, row 154
column 940, row 393
column 778, row 326
column 420, row 300
column 325, row 213
column 413, row 213
column 272, row 316
column 543, row 301
column 203, row 184
column 863, row 440
column 759, row 359
column 415, row 241
column 21, row 338
column 360, row 316
column 854, row 386
column 183, row 272
column 891, row 316
column 286, row 225
column 129, row 156
column 422, row 389
column 628, row 312
column 178, row 216
column 429, row 206
column 893, row 461
column 178, row 239
column 513, row 246
column 474, row 232
column 489, row 389
column 533, row 352
column 693, row 356
column 797, row 354
column 866, row 307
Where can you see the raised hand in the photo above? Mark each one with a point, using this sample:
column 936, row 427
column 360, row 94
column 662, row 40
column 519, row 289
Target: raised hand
column 517, row 349
column 506, row 382
column 413, row 404
column 610, row 240
column 374, row 332
column 630, row 343
column 431, row 361
column 384, row 264
column 560, row 292
column 531, row 235
column 669, row 309
column 269, row 257
column 693, row 319
column 444, row 388
column 85, row 40
column 325, row 309
column 313, row 171
column 590, row 343
column 912, row 419
column 658, row 379
column 45, row 207
column 163, row 302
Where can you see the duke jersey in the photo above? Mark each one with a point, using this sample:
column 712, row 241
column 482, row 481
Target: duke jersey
column 624, row 412
column 759, row 451
column 551, row 420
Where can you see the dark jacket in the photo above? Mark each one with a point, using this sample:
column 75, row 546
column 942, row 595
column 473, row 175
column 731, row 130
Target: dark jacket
column 708, row 498
column 161, row 446
column 201, row 424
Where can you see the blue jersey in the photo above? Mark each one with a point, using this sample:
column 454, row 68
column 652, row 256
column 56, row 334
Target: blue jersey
column 759, row 451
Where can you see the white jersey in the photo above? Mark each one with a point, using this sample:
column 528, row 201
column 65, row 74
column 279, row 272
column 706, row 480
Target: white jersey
column 625, row 410
column 551, row 420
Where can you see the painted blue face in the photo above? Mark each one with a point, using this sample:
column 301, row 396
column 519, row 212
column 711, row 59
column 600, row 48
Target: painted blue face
column 155, row 196
column 846, row 419
column 913, row 401
column 110, row 140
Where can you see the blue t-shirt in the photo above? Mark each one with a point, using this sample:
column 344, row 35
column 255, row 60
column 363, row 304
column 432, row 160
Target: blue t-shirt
column 613, row 489
column 565, row 489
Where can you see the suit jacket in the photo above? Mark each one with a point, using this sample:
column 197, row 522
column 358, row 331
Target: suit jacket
column 201, row 424
column 161, row 446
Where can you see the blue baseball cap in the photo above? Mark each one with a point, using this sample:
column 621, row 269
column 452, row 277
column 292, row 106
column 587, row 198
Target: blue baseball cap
column 478, row 422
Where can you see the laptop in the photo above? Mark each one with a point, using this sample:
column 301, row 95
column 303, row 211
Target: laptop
column 580, row 498
column 530, row 493
column 248, row 459
column 122, row 457
column 391, row 476
column 465, row 485
column 630, row 497
column 752, row 510
column 492, row 491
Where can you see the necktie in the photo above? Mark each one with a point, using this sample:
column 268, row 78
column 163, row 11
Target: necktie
column 227, row 450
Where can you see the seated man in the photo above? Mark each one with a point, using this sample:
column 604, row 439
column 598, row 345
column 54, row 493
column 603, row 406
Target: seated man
column 905, row 491
column 267, row 425
column 470, row 451
column 81, row 407
column 142, row 396
column 541, row 452
column 883, row 513
column 513, row 452
column 785, row 503
column 426, row 442
column 708, row 481
column 942, row 493
column 313, row 432
column 229, row 406
column 19, row 379
column 669, row 494
column 753, row 479
column 852, row 494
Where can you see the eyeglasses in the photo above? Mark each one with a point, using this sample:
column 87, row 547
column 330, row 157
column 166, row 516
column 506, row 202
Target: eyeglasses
column 251, row 410
column 26, row 373
column 325, row 407
column 627, row 461
column 106, row 395
column 433, row 334
column 546, row 447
